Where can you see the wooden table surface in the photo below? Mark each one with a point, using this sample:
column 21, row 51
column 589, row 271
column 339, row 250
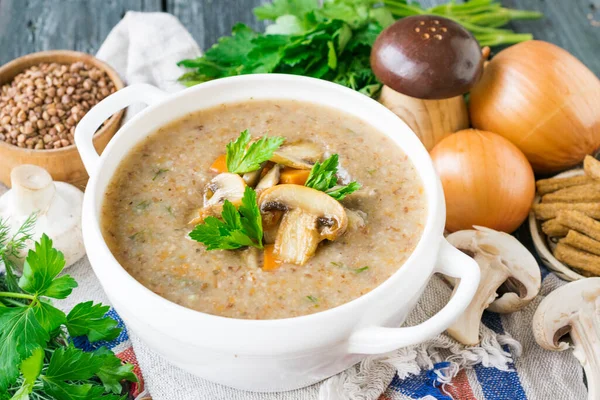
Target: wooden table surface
column 32, row 25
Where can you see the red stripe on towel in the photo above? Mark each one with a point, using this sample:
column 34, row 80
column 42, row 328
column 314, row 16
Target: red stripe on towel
column 460, row 388
column 128, row 355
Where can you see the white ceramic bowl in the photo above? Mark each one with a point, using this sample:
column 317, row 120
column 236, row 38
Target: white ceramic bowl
column 544, row 246
column 270, row 355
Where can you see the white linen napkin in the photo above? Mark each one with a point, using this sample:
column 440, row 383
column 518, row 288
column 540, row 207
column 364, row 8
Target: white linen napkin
column 144, row 48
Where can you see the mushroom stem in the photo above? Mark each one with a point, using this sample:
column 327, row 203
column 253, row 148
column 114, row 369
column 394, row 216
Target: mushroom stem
column 574, row 309
column 33, row 189
column 297, row 238
column 501, row 258
column 585, row 334
column 466, row 328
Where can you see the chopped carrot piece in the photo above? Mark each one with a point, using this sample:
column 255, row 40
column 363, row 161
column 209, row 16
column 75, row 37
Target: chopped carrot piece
column 270, row 262
column 295, row 176
column 220, row 164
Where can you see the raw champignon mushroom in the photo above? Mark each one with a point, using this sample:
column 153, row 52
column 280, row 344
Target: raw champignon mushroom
column 225, row 186
column 57, row 204
column 299, row 155
column 426, row 64
column 573, row 309
column 510, row 278
column 309, row 217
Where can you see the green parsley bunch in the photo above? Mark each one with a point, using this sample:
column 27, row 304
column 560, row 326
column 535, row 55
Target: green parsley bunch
column 38, row 360
column 333, row 40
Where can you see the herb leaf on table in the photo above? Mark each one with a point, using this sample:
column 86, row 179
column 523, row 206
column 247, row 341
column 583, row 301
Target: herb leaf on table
column 238, row 228
column 37, row 360
column 243, row 156
column 40, row 271
column 87, row 319
column 11, row 246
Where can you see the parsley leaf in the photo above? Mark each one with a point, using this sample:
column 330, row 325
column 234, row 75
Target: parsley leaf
column 278, row 8
column 70, row 363
column 239, row 228
column 251, row 219
column 113, row 371
column 20, row 335
column 49, row 317
column 323, row 177
column 67, row 391
column 40, row 270
column 30, row 369
column 340, row 192
column 244, row 157
column 88, row 319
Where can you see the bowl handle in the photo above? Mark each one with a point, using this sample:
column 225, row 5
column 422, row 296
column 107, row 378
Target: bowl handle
column 93, row 119
column 451, row 262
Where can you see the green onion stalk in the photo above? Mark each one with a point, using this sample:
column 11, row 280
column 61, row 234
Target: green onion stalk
column 483, row 18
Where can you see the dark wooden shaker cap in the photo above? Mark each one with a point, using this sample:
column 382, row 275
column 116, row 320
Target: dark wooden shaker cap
column 427, row 57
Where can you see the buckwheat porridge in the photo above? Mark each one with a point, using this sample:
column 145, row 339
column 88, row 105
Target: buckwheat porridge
column 305, row 210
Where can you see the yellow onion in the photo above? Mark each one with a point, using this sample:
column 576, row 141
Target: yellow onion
column 542, row 99
column 487, row 181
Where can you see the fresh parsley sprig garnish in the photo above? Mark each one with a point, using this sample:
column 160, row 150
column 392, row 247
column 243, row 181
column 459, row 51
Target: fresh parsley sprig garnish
column 238, row 227
column 37, row 360
column 244, row 157
column 323, row 177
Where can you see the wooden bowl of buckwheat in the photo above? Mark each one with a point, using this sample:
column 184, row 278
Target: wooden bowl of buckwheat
column 42, row 97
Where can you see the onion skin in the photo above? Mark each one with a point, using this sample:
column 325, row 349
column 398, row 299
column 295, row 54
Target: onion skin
column 487, row 181
column 542, row 99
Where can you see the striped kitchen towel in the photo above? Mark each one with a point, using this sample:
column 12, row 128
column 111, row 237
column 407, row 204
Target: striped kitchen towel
column 507, row 365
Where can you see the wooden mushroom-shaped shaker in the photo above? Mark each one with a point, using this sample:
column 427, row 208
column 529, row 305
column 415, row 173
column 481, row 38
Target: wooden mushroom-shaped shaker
column 426, row 64
column 57, row 204
column 510, row 278
column 573, row 309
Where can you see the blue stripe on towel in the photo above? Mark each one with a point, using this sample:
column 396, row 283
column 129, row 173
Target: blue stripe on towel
column 83, row 343
column 497, row 384
column 418, row 386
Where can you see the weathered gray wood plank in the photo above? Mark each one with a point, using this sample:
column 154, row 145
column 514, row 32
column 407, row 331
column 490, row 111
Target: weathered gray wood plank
column 208, row 20
column 566, row 23
column 27, row 26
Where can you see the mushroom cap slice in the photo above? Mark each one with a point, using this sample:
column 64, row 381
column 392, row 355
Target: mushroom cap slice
column 270, row 179
column 506, row 265
column 310, row 216
column 564, row 309
column 299, row 155
column 574, row 309
column 225, row 186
